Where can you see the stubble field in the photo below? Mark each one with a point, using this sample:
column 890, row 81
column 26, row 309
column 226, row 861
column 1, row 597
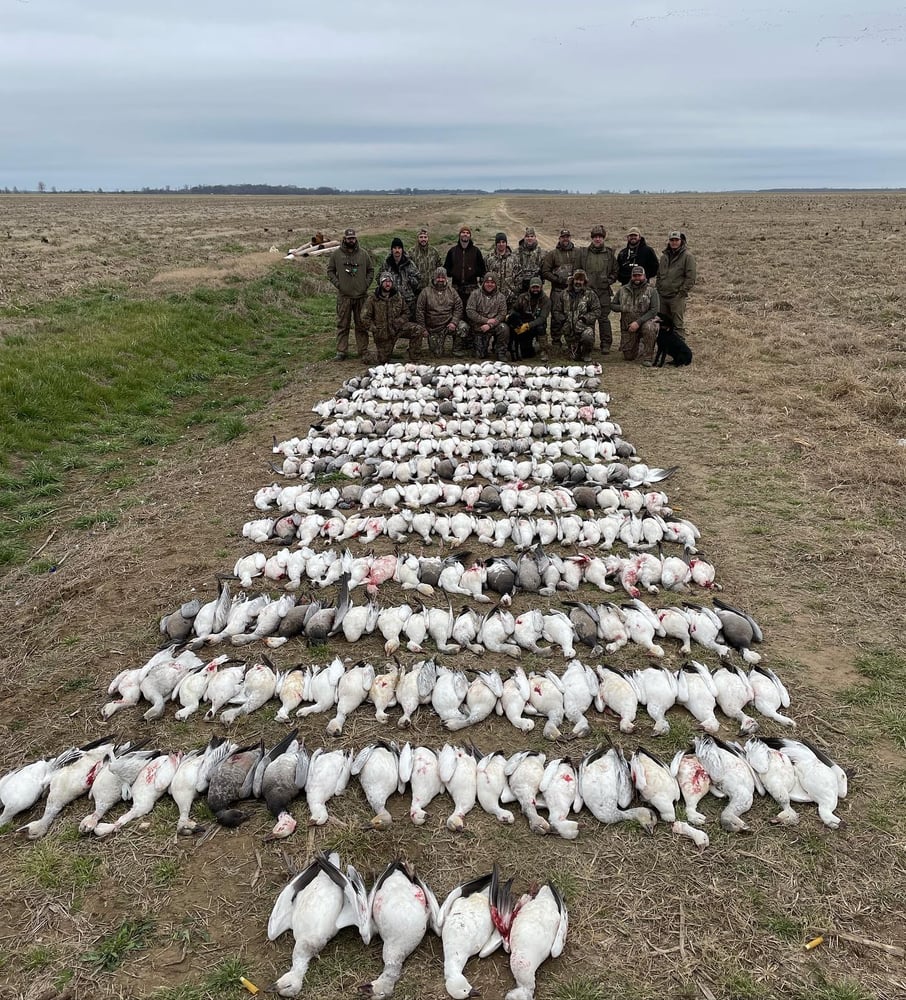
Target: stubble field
column 788, row 430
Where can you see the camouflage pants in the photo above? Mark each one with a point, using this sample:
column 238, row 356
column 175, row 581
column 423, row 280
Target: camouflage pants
column 349, row 309
column 437, row 337
column 498, row 339
column 385, row 343
column 675, row 308
column 579, row 341
column 645, row 337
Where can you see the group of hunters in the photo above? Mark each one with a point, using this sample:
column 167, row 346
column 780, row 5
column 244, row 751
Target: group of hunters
column 495, row 304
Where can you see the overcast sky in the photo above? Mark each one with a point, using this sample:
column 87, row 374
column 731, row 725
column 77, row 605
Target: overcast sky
column 381, row 94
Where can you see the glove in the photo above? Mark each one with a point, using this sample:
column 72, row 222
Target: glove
column 522, row 329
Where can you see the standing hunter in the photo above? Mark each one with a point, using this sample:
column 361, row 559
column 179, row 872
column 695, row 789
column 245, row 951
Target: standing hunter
column 557, row 267
column 465, row 265
column 505, row 264
column 351, row 271
column 676, row 277
column 425, row 257
column 405, row 274
column 600, row 264
column 530, row 257
column 635, row 252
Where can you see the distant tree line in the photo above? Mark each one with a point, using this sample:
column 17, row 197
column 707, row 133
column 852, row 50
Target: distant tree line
column 287, row 189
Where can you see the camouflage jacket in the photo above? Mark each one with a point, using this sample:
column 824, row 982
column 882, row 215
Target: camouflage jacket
column 436, row 307
column 384, row 316
column 406, row 278
column 509, row 273
column 530, row 261
column 557, row 265
column 427, row 261
column 637, row 305
column 577, row 310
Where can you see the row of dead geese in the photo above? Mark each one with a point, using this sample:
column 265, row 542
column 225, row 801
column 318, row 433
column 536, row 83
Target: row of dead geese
column 458, row 698
column 477, row 917
column 535, row 572
column 522, row 531
column 514, row 497
column 604, row 781
column 606, row 627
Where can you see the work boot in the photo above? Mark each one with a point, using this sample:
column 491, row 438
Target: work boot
column 339, row 356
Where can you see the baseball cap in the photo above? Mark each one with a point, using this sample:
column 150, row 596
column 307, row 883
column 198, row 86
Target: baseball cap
column 349, row 234
column 637, row 269
column 598, row 231
column 565, row 232
column 536, row 281
column 529, row 231
column 675, row 235
column 633, row 232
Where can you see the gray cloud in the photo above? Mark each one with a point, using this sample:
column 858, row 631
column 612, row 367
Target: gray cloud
column 364, row 94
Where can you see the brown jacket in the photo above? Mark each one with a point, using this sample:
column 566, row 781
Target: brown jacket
column 436, row 307
column 385, row 316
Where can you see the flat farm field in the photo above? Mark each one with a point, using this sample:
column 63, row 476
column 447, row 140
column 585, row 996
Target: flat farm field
column 789, row 431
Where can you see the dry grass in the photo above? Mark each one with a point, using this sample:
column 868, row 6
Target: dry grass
column 786, row 429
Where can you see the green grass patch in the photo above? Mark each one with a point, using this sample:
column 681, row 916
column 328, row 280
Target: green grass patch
column 49, row 866
column 881, row 696
column 38, row 958
column 111, row 951
column 102, row 374
column 222, row 981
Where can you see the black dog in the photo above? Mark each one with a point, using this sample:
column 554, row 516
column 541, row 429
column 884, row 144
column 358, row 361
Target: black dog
column 671, row 344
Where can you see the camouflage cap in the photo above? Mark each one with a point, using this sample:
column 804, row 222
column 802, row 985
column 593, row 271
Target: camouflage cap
column 385, row 276
column 536, row 281
column 529, row 231
column 637, row 269
column 579, row 273
column 675, row 235
column 424, row 229
column 490, row 276
column 440, row 272
column 598, row 231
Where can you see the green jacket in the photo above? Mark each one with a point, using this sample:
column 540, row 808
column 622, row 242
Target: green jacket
column 577, row 310
column 351, row 271
column 427, row 261
column 558, row 265
column 676, row 272
column 601, row 267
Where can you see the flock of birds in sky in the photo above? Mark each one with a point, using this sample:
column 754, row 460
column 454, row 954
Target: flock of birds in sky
column 523, row 460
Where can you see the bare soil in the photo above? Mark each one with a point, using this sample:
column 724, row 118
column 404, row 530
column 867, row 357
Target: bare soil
column 787, row 429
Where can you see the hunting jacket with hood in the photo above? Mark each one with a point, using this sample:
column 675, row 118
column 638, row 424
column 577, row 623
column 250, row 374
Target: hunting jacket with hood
column 465, row 265
column 351, row 271
column 577, row 310
column 600, row 264
column 438, row 306
column 384, row 314
column 641, row 254
column 677, row 272
column 558, row 265
column 636, row 304
column 483, row 306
